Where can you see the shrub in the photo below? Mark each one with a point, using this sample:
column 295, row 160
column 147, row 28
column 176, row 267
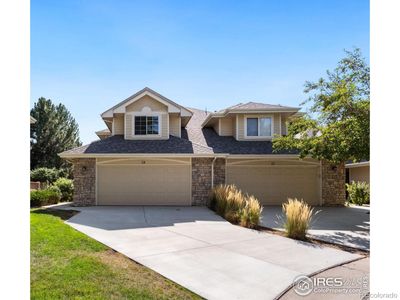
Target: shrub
column 48, row 196
column 358, row 192
column 251, row 214
column 44, row 175
column 66, row 187
column 219, row 196
column 235, row 203
column 236, row 207
column 298, row 218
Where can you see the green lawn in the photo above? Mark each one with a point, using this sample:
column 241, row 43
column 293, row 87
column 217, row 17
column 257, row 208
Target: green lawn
column 66, row 264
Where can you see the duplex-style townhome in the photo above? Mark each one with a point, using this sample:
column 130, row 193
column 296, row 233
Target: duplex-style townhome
column 157, row 152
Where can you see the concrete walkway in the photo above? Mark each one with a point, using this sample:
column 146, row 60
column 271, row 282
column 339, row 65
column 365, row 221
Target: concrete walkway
column 348, row 226
column 202, row 252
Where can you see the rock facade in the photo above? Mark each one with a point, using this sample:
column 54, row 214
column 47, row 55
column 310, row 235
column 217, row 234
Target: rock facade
column 333, row 184
column 201, row 178
column 84, row 181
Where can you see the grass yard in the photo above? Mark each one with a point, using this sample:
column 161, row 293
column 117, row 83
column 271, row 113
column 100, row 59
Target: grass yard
column 66, row 264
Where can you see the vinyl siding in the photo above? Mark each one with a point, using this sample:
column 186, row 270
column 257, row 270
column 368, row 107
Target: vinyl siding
column 284, row 126
column 234, row 127
column 174, row 125
column 277, row 124
column 240, row 126
column 216, row 126
column 118, row 122
column 146, row 101
column 226, row 126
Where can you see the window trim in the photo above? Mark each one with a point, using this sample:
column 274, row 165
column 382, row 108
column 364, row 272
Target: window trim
column 258, row 137
column 147, row 114
column 146, row 125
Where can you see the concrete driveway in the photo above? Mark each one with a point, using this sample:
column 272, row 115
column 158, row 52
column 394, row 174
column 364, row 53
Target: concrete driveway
column 202, row 252
column 347, row 226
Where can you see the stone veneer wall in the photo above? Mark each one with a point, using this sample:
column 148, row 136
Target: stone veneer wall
column 84, row 181
column 219, row 171
column 333, row 184
column 201, row 178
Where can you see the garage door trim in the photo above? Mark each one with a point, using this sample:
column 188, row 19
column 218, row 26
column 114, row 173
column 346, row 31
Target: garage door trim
column 165, row 162
column 296, row 163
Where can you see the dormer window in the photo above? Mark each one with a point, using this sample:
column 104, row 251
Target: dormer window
column 147, row 125
column 259, row 127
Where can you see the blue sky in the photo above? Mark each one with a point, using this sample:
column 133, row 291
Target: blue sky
column 89, row 55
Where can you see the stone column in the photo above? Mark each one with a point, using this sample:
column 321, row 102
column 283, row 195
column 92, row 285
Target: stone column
column 84, row 181
column 201, row 178
column 333, row 184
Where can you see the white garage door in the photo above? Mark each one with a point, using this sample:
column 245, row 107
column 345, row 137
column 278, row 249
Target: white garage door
column 273, row 184
column 144, row 183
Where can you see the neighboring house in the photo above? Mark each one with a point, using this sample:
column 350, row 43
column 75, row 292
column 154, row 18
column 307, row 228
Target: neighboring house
column 33, row 120
column 357, row 172
column 157, row 152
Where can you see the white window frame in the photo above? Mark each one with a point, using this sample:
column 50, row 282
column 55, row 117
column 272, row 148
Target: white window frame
column 258, row 137
column 147, row 114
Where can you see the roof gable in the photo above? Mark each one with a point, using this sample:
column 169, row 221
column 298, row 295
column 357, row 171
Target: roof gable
column 251, row 107
column 171, row 105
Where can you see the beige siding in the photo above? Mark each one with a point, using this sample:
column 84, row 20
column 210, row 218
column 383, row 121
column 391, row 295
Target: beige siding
column 118, row 124
column 128, row 126
column 129, row 133
column 359, row 174
column 284, row 125
column 273, row 184
column 277, row 124
column 146, row 101
column 240, row 126
column 158, row 183
column 226, row 126
column 175, row 125
column 234, row 127
column 215, row 125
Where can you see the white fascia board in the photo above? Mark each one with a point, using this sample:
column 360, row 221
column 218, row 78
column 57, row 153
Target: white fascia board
column 356, row 165
column 107, row 114
column 224, row 155
column 98, row 155
column 186, row 113
column 249, row 111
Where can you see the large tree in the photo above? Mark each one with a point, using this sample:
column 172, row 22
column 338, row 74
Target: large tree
column 55, row 131
column 337, row 126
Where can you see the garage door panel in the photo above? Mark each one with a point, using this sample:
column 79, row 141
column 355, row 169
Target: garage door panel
column 143, row 185
column 272, row 185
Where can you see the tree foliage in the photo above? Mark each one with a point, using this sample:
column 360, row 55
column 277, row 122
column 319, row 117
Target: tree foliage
column 55, row 131
column 340, row 104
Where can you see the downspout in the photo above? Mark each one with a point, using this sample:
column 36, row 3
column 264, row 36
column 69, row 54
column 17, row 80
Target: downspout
column 212, row 172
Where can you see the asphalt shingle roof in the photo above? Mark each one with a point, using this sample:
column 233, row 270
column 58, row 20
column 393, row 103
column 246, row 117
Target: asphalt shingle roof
column 194, row 140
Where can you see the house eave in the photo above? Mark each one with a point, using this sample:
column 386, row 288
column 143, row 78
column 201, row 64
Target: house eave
column 357, row 165
column 247, row 111
column 211, row 155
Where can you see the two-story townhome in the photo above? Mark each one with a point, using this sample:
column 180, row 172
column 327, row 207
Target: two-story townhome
column 157, row 152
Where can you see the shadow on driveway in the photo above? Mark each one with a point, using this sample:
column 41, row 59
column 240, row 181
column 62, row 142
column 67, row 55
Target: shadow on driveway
column 348, row 226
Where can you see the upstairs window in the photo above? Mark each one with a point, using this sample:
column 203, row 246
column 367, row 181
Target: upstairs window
column 259, row 127
column 146, row 125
